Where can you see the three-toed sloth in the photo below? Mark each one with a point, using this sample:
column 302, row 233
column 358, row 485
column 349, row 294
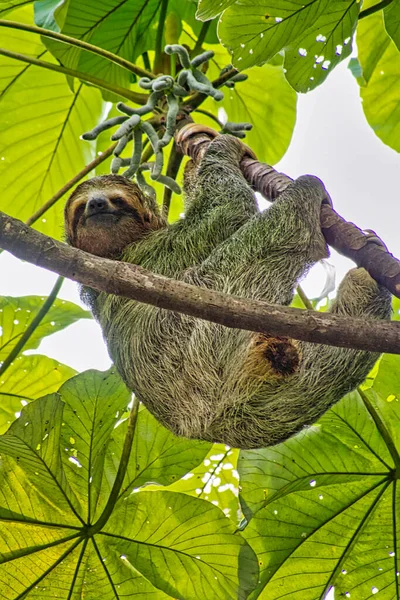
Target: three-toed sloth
column 203, row 380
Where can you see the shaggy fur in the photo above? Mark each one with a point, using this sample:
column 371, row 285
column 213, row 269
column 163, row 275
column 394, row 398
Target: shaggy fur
column 202, row 380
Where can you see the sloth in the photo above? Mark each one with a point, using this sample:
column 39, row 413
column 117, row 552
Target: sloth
column 202, row 380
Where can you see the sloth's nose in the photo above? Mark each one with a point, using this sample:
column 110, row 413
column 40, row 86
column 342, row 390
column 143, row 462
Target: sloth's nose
column 96, row 205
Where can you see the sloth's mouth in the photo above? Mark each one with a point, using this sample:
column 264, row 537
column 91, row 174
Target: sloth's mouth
column 103, row 216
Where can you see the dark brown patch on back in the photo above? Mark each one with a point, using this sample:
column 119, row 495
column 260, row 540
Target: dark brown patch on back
column 282, row 355
column 272, row 357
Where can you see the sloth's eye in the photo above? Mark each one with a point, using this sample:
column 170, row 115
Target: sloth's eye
column 118, row 201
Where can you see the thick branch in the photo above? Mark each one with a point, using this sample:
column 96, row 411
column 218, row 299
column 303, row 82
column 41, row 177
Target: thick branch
column 132, row 281
column 341, row 235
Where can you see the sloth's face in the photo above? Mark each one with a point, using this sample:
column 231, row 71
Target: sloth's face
column 105, row 214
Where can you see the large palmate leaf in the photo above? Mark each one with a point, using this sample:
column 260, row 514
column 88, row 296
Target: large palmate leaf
column 42, row 120
column 380, row 62
column 322, row 507
column 316, row 35
column 58, row 466
column 17, row 313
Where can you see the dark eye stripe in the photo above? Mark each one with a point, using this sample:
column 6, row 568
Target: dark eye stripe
column 77, row 215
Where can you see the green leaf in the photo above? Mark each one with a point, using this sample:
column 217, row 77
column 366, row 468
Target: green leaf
column 28, row 378
column 157, row 456
column 315, row 34
column 17, row 313
column 34, row 165
column 208, row 9
column 8, row 5
column 125, row 28
column 322, row 47
column 184, row 545
column 273, row 122
column 216, row 480
column 54, row 460
column 320, row 507
column 380, row 62
column 391, row 14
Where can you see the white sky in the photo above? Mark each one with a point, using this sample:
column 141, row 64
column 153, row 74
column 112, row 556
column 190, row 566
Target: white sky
column 331, row 140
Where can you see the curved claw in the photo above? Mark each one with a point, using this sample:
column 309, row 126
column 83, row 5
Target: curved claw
column 373, row 238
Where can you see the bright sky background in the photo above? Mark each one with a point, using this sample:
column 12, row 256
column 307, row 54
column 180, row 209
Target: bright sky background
column 331, row 140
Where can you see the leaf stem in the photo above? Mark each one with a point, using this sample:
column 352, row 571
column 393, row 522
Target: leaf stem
column 159, row 37
column 174, row 163
column 146, row 62
column 122, row 62
column 202, row 36
column 70, row 184
column 380, row 425
column 373, row 9
column 123, row 464
column 302, row 295
column 210, row 115
column 33, row 325
column 123, row 92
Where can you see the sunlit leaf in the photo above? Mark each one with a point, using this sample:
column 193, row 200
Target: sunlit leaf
column 17, row 313
column 157, row 456
column 8, row 5
column 216, row 480
column 208, row 9
column 380, row 62
column 42, row 120
column 273, row 122
column 53, row 460
column 320, row 507
column 391, row 14
column 315, row 34
column 28, row 378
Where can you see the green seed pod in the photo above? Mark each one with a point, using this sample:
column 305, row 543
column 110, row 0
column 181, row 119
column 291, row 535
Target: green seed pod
column 121, row 144
column 149, row 130
column 92, row 135
column 239, row 77
column 164, row 82
column 126, row 127
column 229, row 126
column 202, row 58
column 181, row 52
column 124, row 108
column 116, row 164
column 173, row 109
column 164, row 179
column 137, row 151
column 178, row 90
column 146, row 83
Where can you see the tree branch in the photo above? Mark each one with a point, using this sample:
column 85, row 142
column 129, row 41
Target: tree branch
column 132, row 281
column 193, row 140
